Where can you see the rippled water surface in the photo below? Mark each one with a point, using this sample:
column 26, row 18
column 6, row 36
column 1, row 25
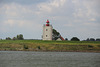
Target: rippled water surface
column 48, row 59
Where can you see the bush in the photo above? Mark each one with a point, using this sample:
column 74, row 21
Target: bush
column 14, row 38
column 8, row 38
column 92, row 39
column 39, row 47
column 25, row 47
column 90, row 46
column 75, row 39
column 66, row 39
column 98, row 39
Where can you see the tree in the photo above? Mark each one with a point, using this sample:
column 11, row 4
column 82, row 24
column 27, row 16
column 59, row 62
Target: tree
column 87, row 39
column 8, row 38
column 75, row 39
column 56, row 34
column 98, row 39
column 20, row 37
column 92, row 39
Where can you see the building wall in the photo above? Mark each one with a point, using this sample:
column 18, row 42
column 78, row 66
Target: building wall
column 47, row 32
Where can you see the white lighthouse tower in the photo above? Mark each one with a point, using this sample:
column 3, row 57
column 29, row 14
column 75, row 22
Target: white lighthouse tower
column 47, row 31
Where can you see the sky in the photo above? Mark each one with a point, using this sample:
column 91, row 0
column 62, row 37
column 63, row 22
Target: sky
column 72, row 18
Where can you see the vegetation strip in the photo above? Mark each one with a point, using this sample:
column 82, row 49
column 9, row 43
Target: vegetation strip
column 39, row 45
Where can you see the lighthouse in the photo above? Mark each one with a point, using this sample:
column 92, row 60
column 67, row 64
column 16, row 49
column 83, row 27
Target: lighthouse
column 47, row 31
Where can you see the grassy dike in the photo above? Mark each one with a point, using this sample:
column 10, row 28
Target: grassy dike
column 39, row 45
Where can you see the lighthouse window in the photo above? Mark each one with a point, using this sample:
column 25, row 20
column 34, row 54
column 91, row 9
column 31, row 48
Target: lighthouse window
column 46, row 35
column 46, row 29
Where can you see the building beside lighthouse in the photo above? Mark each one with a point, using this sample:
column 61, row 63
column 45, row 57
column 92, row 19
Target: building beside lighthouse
column 47, row 31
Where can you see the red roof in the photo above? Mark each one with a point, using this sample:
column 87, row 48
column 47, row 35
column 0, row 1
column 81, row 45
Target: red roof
column 61, row 38
column 47, row 21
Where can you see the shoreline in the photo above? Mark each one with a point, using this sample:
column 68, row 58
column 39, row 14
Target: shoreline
column 85, row 51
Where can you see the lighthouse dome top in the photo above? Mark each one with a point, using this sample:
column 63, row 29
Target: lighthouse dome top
column 47, row 21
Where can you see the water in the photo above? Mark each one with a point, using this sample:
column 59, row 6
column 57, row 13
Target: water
column 48, row 59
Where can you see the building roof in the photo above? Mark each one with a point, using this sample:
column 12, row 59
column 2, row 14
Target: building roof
column 60, row 38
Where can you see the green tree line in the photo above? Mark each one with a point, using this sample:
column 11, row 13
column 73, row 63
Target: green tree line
column 18, row 37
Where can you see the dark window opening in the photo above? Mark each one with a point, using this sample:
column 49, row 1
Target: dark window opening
column 46, row 29
column 46, row 35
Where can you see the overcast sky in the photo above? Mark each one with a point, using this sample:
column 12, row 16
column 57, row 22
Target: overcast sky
column 72, row 18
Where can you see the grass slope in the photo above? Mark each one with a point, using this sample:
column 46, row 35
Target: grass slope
column 39, row 45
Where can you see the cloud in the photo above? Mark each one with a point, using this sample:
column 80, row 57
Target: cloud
column 86, row 9
column 92, row 19
column 73, row 16
column 14, row 12
column 10, row 22
column 50, row 6
column 56, row 3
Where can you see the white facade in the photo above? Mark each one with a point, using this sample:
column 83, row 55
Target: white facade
column 47, row 32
